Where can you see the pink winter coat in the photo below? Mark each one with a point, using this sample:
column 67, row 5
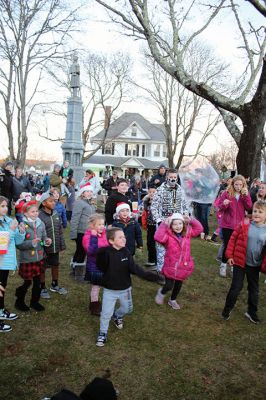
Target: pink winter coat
column 178, row 263
column 234, row 212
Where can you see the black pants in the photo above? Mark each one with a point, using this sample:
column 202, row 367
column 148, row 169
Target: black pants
column 226, row 233
column 3, row 279
column 171, row 284
column 35, row 292
column 151, row 243
column 80, row 253
column 237, row 285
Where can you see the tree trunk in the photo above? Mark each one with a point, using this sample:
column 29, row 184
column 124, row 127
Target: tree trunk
column 249, row 155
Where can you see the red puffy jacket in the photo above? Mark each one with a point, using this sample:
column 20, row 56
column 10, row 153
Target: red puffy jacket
column 237, row 246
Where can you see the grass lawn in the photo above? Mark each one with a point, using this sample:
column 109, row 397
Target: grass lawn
column 160, row 354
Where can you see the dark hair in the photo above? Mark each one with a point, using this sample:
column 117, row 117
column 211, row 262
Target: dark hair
column 89, row 171
column 172, row 171
column 152, row 186
column 110, row 233
column 121, row 180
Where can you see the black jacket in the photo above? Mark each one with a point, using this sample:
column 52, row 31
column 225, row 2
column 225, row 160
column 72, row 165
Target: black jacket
column 132, row 233
column 6, row 184
column 161, row 178
column 109, row 183
column 111, row 204
column 20, row 185
column 54, row 231
column 117, row 265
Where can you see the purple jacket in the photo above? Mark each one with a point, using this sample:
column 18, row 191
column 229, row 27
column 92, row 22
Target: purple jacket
column 178, row 263
column 234, row 212
column 91, row 244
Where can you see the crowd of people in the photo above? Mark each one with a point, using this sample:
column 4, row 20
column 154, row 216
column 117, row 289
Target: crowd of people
column 106, row 242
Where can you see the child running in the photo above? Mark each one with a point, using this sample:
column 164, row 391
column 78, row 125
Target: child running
column 93, row 239
column 174, row 234
column 54, row 230
column 117, row 264
column 31, row 257
column 124, row 220
column 12, row 234
column 246, row 253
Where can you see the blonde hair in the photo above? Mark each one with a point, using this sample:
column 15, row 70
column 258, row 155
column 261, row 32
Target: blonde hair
column 231, row 190
column 260, row 204
column 95, row 217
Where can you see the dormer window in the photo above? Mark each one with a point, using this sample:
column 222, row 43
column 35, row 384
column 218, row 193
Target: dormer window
column 134, row 130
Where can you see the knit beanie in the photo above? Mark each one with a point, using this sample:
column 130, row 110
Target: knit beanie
column 176, row 216
column 121, row 206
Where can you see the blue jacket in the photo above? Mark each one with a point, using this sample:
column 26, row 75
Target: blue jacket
column 132, row 233
column 61, row 211
column 8, row 261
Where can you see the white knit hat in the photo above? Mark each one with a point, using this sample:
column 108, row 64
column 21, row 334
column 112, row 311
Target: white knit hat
column 85, row 188
column 121, row 206
column 176, row 216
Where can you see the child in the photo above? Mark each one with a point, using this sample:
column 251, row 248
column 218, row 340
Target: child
column 82, row 210
column 59, row 207
column 23, row 198
column 117, row 264
column 174, row 234
column 124, row 220
column 53, row 228
column 246, row 253
column 149, row 224
column 31, row 257
column 13, row 235
column 94, row 238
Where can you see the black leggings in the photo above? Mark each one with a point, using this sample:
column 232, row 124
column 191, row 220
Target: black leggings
column 226, row 233
column 80, row 253
column 3, row 279
column 35, row 292
column 171, row 284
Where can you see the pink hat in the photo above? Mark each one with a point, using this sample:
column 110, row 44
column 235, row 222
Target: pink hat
column 85, row 188
column 121, row 206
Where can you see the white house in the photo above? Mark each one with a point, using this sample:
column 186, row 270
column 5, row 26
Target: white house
column 133, row 145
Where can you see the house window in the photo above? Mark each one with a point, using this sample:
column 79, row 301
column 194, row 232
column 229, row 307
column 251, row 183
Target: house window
column 164, row 151
column 134, row 130
column 108, row 148
column 143, row 150
column 132, row 149
column 156, row 151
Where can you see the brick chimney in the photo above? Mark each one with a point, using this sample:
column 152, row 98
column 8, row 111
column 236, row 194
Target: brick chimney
column 107, row 116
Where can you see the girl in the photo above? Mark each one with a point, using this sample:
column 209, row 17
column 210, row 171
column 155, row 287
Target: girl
column 82, row 210
column 174, row 234
column 59, row 207
column 246, row 253
column 14, row 234
column 124, row 220
column 93, row 239
column 31, row 257
column 233, row 203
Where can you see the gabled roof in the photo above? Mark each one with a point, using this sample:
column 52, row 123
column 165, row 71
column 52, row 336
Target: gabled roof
column 155, row 131
column 118, row 162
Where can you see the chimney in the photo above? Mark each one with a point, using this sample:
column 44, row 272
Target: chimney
column 107, row 116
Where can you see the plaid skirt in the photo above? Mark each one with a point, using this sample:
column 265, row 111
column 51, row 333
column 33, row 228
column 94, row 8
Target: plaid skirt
column 27, row 271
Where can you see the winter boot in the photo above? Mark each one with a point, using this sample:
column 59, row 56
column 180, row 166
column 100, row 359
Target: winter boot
column 20, row 302
column 36, row 306
column 214, row 238
column 95, row 308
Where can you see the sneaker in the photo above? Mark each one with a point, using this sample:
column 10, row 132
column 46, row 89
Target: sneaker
column 174, row 304
column 59, row 290
column 4, row 327
column 252, row 318
column 36, row 306
column 118, row 322
column 223, row 270
column 226, row 314
column 101, row 339
column 7, row 315
column 202, row 235
column 159, row 298
column 45, row 294
column 208, row 238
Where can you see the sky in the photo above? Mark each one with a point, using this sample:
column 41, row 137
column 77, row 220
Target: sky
column 98, row 35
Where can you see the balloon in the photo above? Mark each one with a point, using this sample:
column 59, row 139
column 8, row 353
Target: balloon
column 200, row 182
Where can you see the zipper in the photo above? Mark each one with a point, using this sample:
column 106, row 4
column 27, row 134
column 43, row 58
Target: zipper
column 53, row 232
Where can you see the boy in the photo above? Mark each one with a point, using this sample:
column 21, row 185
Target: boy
column 54, row 231
column 117, row 264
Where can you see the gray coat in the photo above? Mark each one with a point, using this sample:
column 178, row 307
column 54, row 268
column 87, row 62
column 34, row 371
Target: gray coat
column 29, row 253
column 82, row 209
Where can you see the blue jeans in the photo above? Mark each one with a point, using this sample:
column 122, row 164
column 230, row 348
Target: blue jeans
column 108, row 306
column 202, row 212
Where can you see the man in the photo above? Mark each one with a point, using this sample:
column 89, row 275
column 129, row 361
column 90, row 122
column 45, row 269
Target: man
column 160, row 177
column 20, row 184
column 6, row 183
column 111, row 183
column 115, row 198
column 168, row 199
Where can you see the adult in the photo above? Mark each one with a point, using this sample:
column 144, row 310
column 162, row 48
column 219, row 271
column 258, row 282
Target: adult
column 92, row 179
column 6, row 184
column 111, row 183
column 56, row 179
column 202, row 212
column 160, row 177
column 168, row 199
column 137, row 190
column 233, row 204
column 46, row 182
column 66, row 172
column 20, row 184
column 254, row 188
column 118, row 197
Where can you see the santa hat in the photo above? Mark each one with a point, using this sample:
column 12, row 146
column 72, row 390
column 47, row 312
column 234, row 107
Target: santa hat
column 121, row 206
column 25, row 196
column 28, row 205
column 85, row 188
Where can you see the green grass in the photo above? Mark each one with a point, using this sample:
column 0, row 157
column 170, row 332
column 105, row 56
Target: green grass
column 160, row 353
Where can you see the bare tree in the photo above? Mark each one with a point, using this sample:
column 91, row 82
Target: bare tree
column 150, row 19
column 225, row 157
column 32, row 33
column 185, row 115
